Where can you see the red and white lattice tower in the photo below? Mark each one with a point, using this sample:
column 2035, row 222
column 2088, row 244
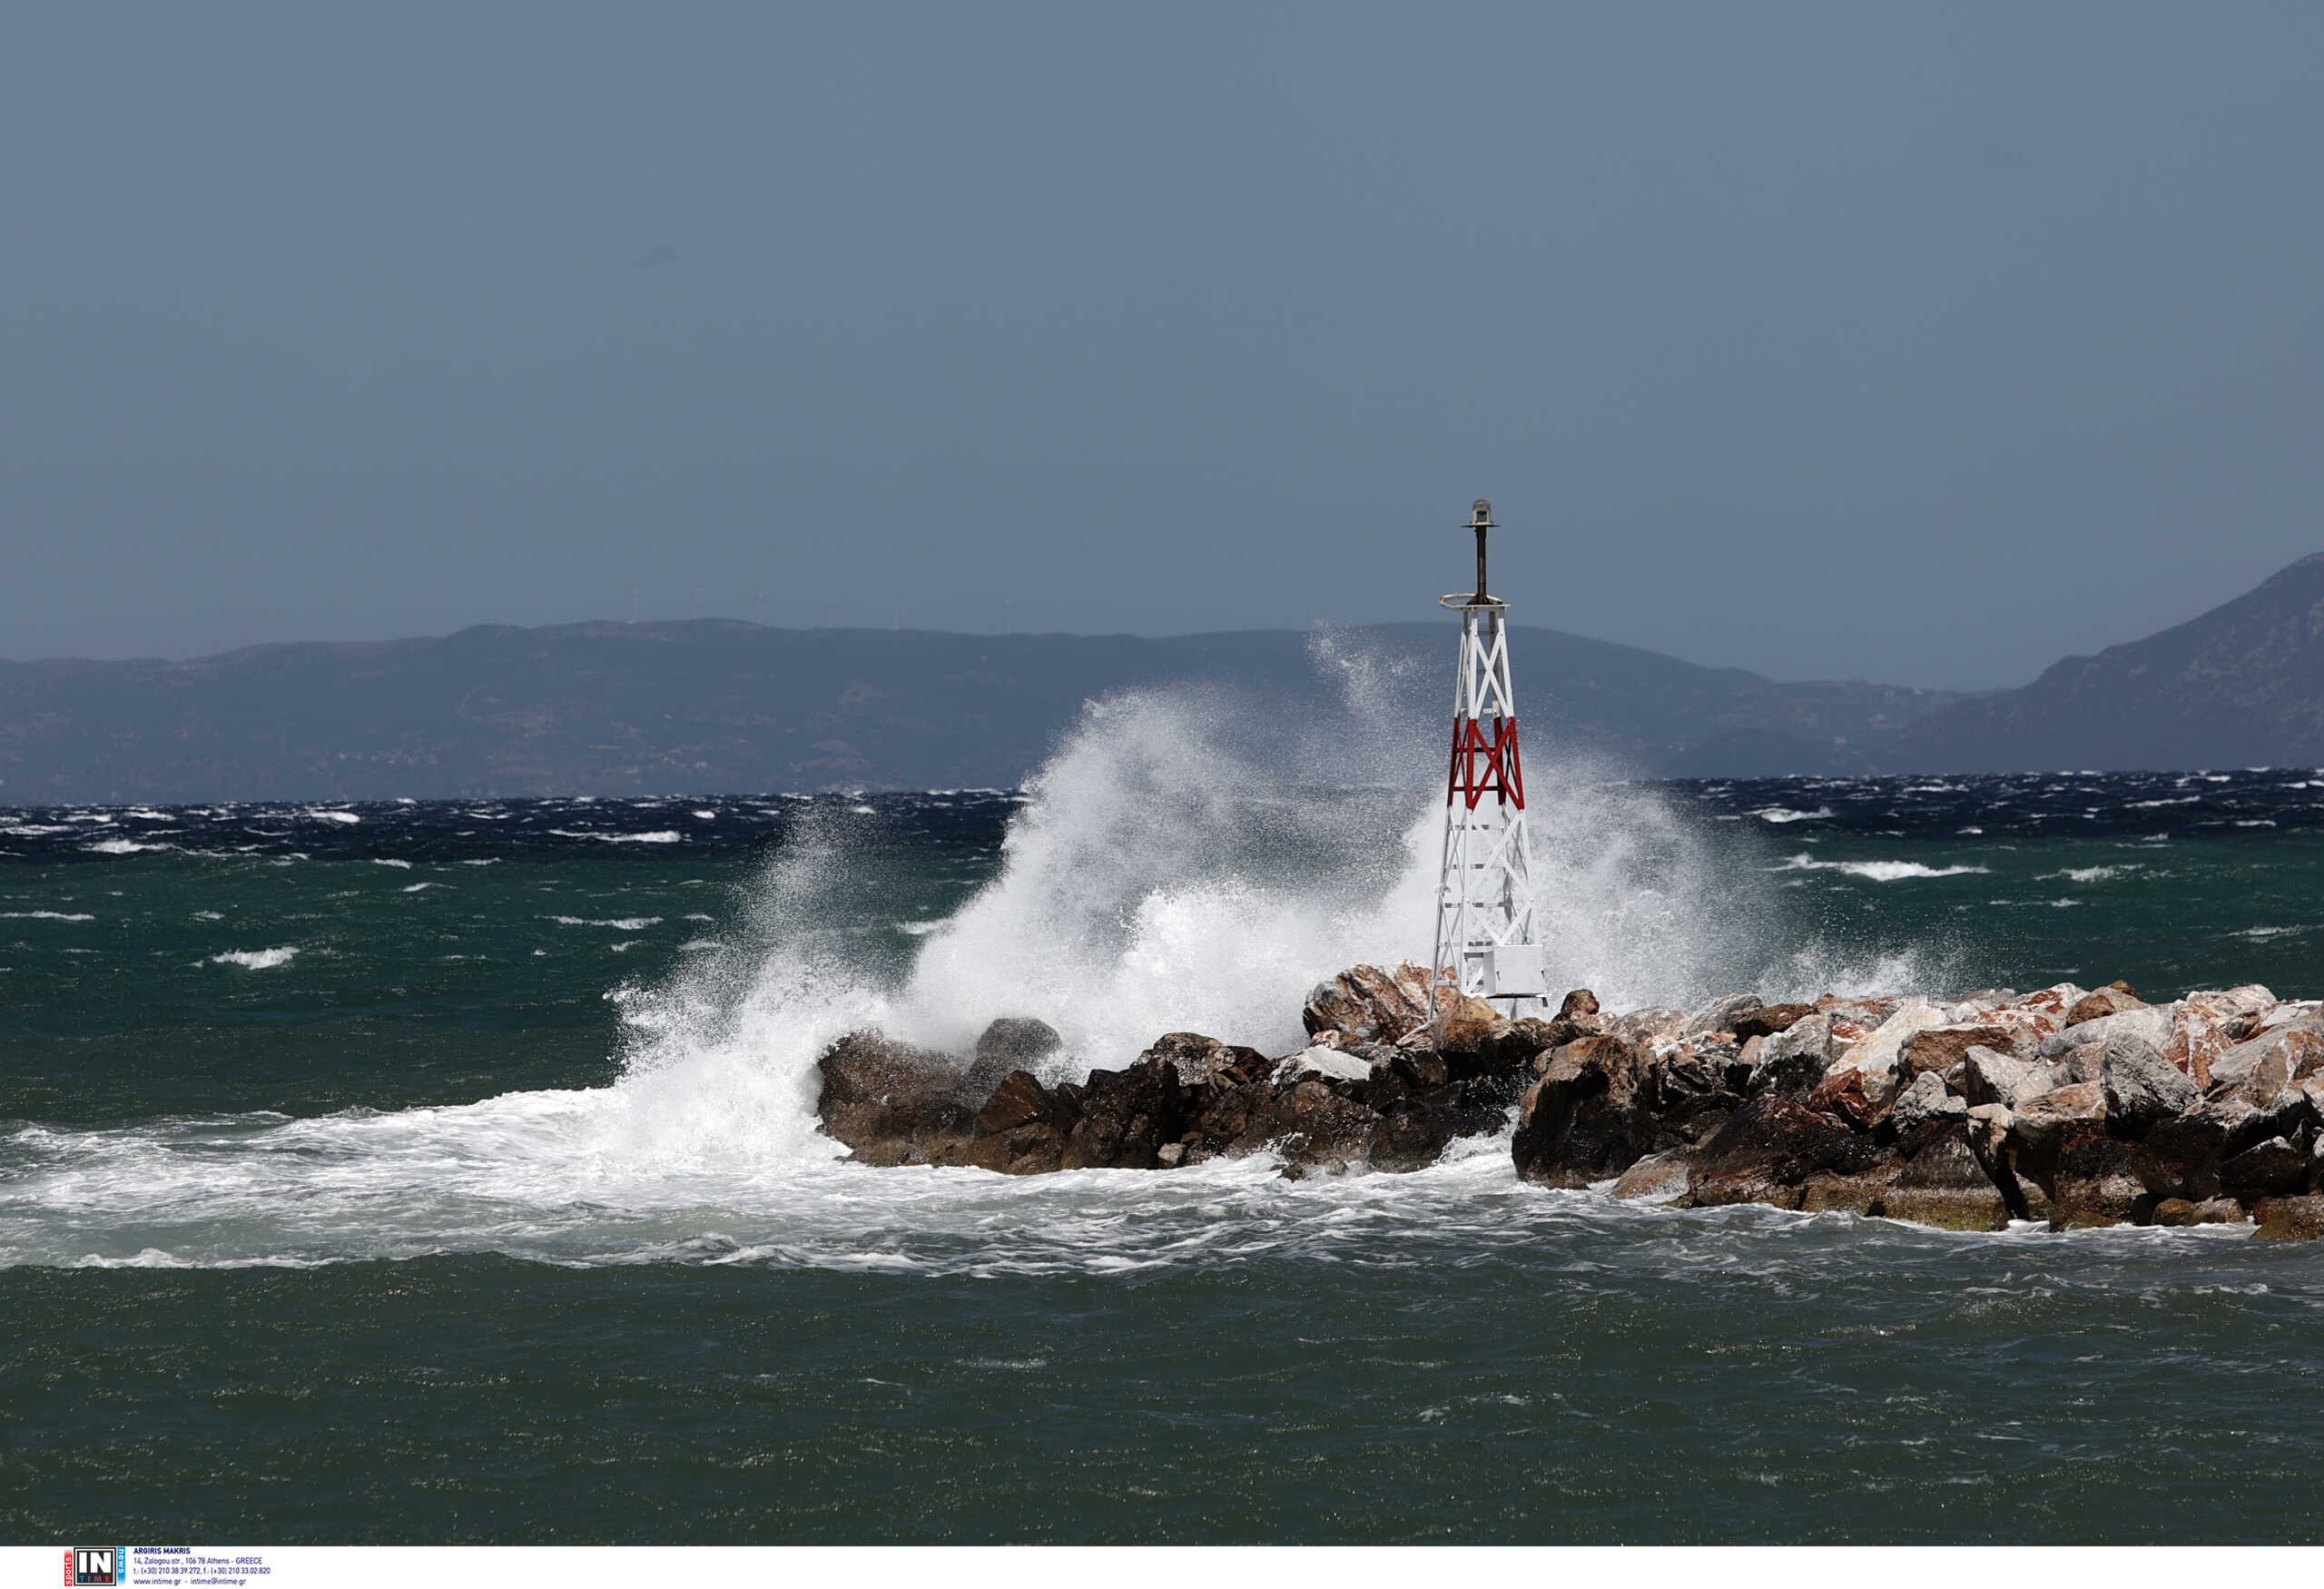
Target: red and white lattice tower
column 1485, row 938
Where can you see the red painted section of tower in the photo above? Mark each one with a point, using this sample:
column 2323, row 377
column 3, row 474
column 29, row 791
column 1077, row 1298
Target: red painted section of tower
column 1482, row 768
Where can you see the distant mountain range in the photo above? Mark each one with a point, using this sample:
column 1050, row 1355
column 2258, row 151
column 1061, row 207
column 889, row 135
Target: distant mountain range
column 712, row 707
column 2242, row 686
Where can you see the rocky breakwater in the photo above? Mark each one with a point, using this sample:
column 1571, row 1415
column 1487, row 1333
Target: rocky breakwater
column 1378, row 1085
column 2071, row 1106
column 2079, row 1108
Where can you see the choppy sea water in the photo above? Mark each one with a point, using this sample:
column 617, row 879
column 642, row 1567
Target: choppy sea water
column 447, row 1172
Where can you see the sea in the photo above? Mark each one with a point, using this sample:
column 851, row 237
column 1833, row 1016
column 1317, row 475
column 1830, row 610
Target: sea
column 448, row 1171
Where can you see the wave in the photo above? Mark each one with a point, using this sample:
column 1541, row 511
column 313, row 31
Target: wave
column 1879, row 871
column 1175, row 865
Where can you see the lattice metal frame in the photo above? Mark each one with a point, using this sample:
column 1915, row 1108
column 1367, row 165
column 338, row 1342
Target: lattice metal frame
column 1486, row 943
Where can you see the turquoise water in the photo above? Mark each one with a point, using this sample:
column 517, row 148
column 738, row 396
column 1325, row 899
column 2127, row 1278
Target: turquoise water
column 449, row 1173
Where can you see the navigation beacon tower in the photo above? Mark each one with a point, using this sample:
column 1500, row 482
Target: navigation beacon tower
column 1486, row 943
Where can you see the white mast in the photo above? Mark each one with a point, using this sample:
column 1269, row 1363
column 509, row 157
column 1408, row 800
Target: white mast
column 1485, row 936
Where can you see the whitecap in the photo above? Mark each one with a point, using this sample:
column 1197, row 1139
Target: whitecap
column 1879, row 871
column 256, row 959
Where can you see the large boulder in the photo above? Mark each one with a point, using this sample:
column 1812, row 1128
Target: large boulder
column 889, row 1101
column 1794, row 1060
column 1927, row 1099
column 1768, row 1150
column 1940, row 1048
column 1019, row 1130
column 1202, row 1061
column 2145, row 1021
column 1941, row 1183
column 1720, row 1015
column 1126, row 1117
column 1013, row 1043
column 1369, row 1004
column 2141, row 1086
column 2274, row 1169
column 1583, row 1120
column 1988, row 1076
column 1879, row 1055
column 2289, row 1218
column 1769, row 1020
column 2112, row 1000
column 1312, row 1127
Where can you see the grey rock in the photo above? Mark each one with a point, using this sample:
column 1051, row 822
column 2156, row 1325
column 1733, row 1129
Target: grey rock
column 2141, row 1086
column 1988, row 1076
column 1719, row 1014
column 1927, row 1099
column 2151, row 1023
column 1794, row 1058
column 1331, row 1064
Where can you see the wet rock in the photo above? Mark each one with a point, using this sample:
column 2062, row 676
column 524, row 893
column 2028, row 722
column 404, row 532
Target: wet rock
column 2141, row 1086
column 1927, row 1099
column 1201, row 1061
column 2289, row 1219
column 1660, row 1178
column 1125, row 1117
column 1851, row 1095
column 1768, row 1150
column 2275, row 1167
column 1035, row 1148
column 1793, row 1059
column 2221, row 1211
column 1369, row 1004
column 1644, row 1028
column 1719, row 1014
column 1941, row 1183
column 1582, row 1122
column 1771, row 1019
column 2090, row 1178
column 889, row 1101
column 1312, row 1129
column 1409, row 1136
column 1986, row 1131
column 1021, row 1101
column 1462, row 1028
column 1331, row 1064
column 1010, row 1043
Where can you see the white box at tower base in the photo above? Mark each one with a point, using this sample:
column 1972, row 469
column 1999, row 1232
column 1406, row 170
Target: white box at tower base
column 1510, row 972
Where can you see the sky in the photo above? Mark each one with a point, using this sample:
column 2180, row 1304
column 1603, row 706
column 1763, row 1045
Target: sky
column 1916, row 343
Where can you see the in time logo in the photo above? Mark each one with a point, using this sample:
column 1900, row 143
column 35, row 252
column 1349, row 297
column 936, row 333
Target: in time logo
column 85, row 1565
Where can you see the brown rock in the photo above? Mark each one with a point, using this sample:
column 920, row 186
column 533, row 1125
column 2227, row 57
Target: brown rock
column 2108, row 1001
column 1583, row 1120
column 1769, row 1019
column 1201, row 1061
column 1312, row 1128
column 1942, row 1184
column 1768, row 1150
column 1849, row 1095
column 1125, row 1117
column 891, row 1102
column 1020, row 1100
column 2289, row 1219
column 1369, row 1004
column 2175, row 1213
column 1661, row 1178
column 1940, row 1048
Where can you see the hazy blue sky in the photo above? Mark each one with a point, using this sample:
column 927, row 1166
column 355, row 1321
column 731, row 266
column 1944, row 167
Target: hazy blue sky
column 1912, row 342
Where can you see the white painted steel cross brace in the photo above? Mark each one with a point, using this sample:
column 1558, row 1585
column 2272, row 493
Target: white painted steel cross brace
column 1485, row 936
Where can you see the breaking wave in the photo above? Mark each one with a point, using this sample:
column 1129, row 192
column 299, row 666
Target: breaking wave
column 1173, row 867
